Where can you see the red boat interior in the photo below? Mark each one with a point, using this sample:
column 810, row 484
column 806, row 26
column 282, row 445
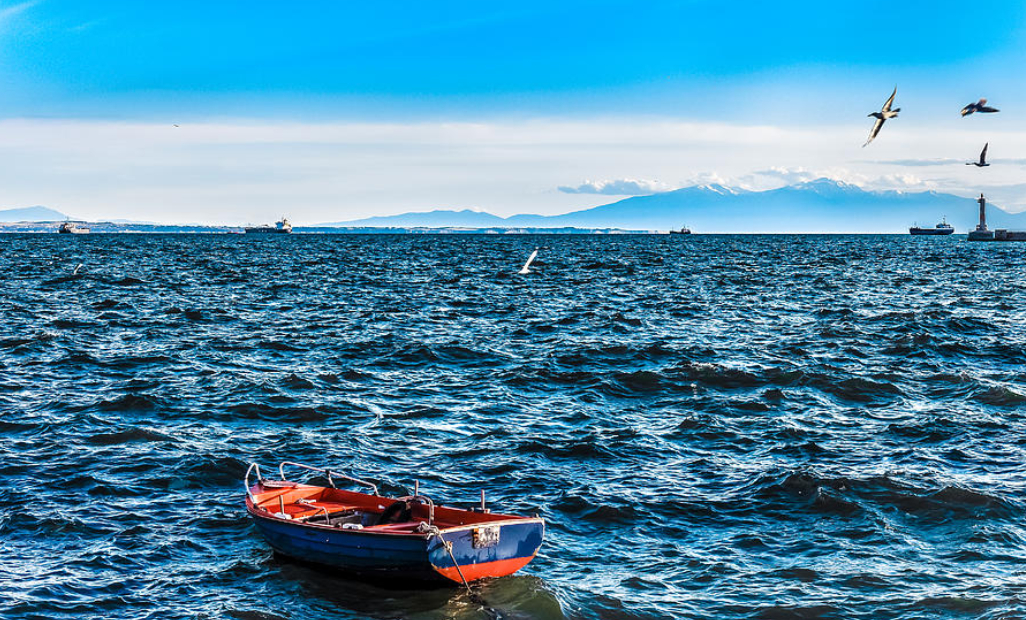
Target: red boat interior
column 351, row 510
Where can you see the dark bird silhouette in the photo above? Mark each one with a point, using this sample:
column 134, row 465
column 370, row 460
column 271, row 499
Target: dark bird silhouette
column 884, row 114
column 983, row 158
column 979, row 106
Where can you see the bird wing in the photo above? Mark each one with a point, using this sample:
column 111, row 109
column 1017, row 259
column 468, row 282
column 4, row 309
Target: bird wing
column 983, row 154
column 890, row 100
column 875, row 130
column 530, row 259
column 984, row 108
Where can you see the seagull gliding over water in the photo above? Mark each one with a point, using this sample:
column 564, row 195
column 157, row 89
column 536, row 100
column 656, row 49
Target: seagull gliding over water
column 530, row 259
column 884, row 114
column 979, row 106
column 983, row 158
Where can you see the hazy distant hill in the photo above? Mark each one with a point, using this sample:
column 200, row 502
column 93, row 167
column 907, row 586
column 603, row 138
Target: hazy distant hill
column 31, row 214
column 465, row 218
column 817, row 206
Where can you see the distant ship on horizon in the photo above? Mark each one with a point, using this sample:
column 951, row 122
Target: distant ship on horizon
column 282, row 226
column 71, row 228
column 683, row 231
column 943, row 228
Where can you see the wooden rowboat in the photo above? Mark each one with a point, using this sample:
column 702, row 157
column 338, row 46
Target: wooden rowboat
column 396, row 539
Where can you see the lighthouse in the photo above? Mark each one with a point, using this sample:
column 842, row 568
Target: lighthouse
column 982, row 233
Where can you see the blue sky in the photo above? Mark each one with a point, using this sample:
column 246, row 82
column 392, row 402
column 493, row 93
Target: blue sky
column 335, row 59
column 281, row 69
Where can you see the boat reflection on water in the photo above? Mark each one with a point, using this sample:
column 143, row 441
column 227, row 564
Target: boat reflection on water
column 330, row 537
column 516, row 596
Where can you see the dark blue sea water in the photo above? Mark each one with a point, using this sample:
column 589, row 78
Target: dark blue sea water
column 714, row 427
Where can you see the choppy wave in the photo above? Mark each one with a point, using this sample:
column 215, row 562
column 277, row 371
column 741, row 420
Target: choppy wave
column 713, row 427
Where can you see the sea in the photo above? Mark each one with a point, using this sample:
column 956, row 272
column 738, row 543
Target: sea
column 723, row 427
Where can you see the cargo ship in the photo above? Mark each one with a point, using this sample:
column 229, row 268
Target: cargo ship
column 282, row 226
column 682, row 231
column 982, row 233
column 940, row 229
column 71, row 228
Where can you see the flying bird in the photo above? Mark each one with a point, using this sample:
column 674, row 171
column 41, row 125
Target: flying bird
column 530, row 260
column 979, row 106
column 983, row 158
column 884, row 114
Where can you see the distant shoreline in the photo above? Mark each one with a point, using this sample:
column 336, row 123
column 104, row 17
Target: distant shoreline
column 119, row 228
column 108, row 228
column 309, row 232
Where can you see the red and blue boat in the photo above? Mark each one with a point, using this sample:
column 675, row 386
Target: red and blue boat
column 400, row 539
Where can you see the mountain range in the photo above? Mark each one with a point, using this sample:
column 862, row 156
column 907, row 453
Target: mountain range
column 31, row 214
column 819, row 206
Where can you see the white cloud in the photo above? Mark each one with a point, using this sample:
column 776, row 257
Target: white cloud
column 255, row 170
column 710, row 178
column 7, row 13
column 901, row 181
column 618, row 187
column 784, row 176
column 777, row 176
column 920, row 162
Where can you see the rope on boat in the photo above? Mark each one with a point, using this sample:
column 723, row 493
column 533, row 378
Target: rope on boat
column 470, row 593
column 448, row 547
column 433, row 529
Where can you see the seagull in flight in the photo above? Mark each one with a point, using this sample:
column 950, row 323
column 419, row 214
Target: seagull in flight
column 884, row 114
column 979, row 106
column 983, row 158
column 526, row 269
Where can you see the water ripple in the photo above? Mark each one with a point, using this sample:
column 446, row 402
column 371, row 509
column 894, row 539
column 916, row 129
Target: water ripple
column 719, row 426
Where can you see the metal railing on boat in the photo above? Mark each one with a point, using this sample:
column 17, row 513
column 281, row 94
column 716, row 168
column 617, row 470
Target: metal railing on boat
column 329, row 474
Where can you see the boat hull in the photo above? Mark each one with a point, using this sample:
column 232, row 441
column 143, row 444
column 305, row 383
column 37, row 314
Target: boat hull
column 73, row 230
column 351, row 551
column 930, row 231
column 407, row 557
column 517, row 544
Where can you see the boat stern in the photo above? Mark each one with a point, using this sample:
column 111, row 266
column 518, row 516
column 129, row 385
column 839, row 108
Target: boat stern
column 489, row 549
